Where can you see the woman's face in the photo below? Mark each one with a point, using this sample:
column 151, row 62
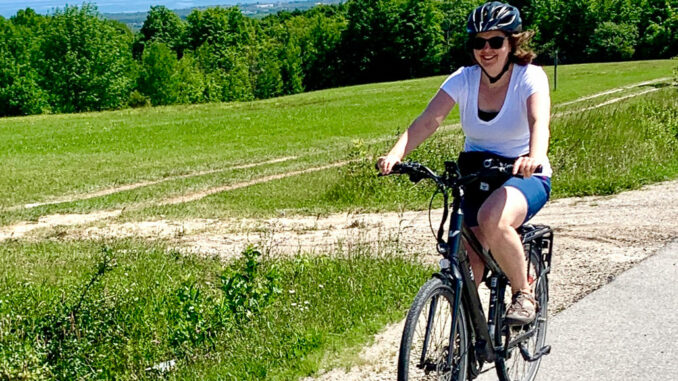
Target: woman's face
column 492, row 60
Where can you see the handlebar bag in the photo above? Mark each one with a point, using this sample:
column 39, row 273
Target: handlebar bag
column 478, row 191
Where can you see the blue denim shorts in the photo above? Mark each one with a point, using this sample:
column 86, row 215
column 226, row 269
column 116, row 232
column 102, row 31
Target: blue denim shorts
column 536, row 189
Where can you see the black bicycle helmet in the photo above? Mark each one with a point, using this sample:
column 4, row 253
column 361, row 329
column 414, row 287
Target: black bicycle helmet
column 494, row 16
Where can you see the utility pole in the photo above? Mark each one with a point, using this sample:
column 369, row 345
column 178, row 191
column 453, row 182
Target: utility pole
column 555, row 71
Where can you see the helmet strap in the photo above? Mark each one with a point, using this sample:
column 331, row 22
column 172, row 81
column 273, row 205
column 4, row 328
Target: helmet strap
column 501, row 74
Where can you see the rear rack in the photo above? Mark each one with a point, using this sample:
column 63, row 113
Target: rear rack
column 540, row 236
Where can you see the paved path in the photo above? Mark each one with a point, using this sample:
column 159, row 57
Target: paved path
column 626, row 330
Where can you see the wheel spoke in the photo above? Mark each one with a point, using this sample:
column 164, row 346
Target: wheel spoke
column 425, row 356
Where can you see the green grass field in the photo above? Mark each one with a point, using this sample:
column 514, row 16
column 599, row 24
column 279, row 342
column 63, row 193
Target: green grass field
column 48, row 157
column 601, row 151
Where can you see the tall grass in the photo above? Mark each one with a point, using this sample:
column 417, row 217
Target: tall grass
column 611, row 149
column 119, row 310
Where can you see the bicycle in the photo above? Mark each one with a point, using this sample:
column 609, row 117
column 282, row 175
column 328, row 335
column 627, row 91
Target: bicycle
column 446, row 335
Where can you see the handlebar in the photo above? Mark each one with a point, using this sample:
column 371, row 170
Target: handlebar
column 451, row 179
column 452, row 176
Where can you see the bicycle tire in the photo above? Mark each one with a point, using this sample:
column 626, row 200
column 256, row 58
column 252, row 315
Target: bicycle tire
column 435, row 366
column 514, row 367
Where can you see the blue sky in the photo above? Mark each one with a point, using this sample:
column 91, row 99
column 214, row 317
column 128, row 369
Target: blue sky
column 8, row 8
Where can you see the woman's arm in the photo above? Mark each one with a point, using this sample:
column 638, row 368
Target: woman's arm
column 538, row 118
column 422, row 127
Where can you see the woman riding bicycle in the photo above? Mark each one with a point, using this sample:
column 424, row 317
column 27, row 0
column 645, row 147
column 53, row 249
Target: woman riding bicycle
column 504, row 105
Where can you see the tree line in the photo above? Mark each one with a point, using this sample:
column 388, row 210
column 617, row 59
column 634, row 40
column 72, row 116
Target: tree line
column 75, row 60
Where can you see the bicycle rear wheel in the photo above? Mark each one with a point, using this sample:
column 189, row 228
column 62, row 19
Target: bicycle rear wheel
column 515, row 367
column 426, row 344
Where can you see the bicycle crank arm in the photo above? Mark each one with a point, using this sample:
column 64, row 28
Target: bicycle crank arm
column 521, row 338
column 546, row 349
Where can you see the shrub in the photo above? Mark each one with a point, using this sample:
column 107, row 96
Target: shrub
column 611, row 41
column 137, row 99
column 247, row 290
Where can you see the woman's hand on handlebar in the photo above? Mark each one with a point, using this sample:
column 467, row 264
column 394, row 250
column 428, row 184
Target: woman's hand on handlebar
column 526, row 166
column 385, row 163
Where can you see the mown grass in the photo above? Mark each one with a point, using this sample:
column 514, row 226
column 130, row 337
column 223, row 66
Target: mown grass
column 45, row 157
column 172, row 188
column 113, row 310
column 601, row 151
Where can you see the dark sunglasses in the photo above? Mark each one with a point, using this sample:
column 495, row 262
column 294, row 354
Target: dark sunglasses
column 496, row 42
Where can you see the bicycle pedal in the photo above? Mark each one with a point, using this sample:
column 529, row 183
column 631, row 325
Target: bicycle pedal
column 545, row 350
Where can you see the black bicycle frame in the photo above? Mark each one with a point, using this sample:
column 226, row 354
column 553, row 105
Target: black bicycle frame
column 465, row 290
column 464, row 285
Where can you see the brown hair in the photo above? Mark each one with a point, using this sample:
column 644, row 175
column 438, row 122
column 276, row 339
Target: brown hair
column 521, row 52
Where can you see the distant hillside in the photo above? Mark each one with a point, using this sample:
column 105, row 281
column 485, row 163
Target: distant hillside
column 136, row 19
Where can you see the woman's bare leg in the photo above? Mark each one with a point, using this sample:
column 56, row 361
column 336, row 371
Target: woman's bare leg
column 498, row 218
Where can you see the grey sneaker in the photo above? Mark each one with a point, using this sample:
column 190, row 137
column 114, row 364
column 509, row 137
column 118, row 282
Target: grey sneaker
column 523, row 309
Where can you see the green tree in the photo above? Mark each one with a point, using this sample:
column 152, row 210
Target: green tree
column 368, row 48
column 222, row 27
column 291, row 69
column 163, row 25
column 266, row 73
column 86, row 61
column 320, row 51
column 157, row 79
column 285, row 39
column 420, row 38
column 566, row 26
column 307, row 43
column 227, row 76
column 20, row 93
column 224, row 40
column 658, row 29
column 190, row 81
column 613, row 42
column 27, row 18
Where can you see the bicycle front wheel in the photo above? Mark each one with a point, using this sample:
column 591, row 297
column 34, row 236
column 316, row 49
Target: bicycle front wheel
column 428, row 349
column 532, row 336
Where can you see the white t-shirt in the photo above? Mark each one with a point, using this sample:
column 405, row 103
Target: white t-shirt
column 508, row 133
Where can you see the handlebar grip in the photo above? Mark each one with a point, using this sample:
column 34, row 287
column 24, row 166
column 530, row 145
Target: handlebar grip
column 536, row 171
column 397, row 168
